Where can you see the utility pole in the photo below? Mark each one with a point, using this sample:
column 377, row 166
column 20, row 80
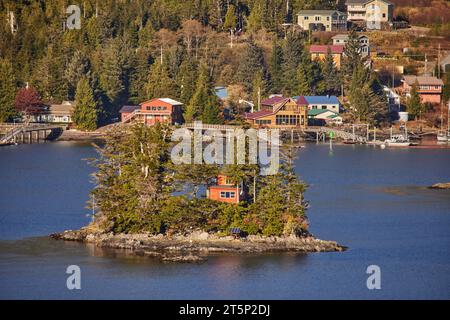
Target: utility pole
column 161, row 55
column 259, row 98
column 426, row 64
column 439, row 61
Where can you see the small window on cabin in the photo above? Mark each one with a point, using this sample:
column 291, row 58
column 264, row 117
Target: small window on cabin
column 153, row 108
column 222, row 194
column 306, row 18
column 324, row 107
column 233, row 194
column 384, row 15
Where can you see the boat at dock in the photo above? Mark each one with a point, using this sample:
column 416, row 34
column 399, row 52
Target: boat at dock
column 444, row 137
column 398, row 140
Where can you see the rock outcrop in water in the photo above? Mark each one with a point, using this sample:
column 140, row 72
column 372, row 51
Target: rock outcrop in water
column 196, row 246
column 442, row 186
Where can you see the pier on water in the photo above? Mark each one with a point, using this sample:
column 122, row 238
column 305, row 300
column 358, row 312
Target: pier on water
column 27, row 133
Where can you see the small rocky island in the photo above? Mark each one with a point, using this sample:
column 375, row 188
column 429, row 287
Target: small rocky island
column 149, row 206
column 441, row 186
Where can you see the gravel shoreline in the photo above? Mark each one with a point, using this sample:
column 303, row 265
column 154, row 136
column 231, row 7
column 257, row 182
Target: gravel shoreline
column 196, row 246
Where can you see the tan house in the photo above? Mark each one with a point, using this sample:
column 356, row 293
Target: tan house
column 322, row 20
column 374, row 14
column 319, row 53
column 280, row 113
column 57, row 113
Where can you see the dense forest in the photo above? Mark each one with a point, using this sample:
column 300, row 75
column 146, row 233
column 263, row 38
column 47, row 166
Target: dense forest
column 127, row 51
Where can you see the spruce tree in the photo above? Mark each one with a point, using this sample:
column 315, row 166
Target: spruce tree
column 85, row 111
column 250, row 64
column 204, row 103
column 414, row 106
column 292, row 53
column 160, row 84
column 276, row 71
column 7, row 90
column 331, row 76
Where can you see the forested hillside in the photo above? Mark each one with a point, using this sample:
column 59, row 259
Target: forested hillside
column 127, row 51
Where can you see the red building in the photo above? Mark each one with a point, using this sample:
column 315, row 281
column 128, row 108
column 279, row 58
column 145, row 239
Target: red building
column 224, row 191
column 164, row 110
column 428, row 88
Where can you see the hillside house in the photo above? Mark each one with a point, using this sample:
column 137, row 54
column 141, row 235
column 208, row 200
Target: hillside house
column 319, row 53
column 163, row 110
column 280, row 112
column 373, row 14
column 342, row 39
column 322, row 20
column 429, row 88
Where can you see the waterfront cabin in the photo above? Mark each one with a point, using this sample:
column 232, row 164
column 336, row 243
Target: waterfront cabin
column 225, row 191
column 330, row 103
column 56, row 113
column 319, row 117
column 163, row 110
column 280, row 112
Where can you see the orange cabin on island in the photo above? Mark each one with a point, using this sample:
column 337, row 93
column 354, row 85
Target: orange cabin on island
column 224, row 191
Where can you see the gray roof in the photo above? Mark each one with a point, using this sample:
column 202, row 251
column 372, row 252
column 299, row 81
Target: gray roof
column 128, row 109
column 323, row 12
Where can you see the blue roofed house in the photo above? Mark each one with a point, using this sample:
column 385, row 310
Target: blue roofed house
column 323, row 103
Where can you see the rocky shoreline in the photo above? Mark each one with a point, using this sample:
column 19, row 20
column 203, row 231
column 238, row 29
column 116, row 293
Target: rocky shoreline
column 196, row 246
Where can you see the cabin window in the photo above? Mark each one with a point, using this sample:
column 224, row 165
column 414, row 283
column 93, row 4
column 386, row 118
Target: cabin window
column 263, row 121
column 227, row 194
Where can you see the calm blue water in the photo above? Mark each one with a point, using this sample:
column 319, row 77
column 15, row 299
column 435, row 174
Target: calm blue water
column 371, row 200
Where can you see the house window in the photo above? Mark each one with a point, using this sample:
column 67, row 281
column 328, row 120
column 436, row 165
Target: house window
column 263, row 121
column 306, row 18
column 384, row 15
column 317, row 18
column 324, row 107
column 228, row 194
column 328, row 18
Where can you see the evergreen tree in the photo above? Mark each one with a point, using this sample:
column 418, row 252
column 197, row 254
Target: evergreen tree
column 7, row 90
column 186, row 79
column 331, row 76
column 414, row 105
column 77, row 67
column 85, row 111
column 292, row 53
column 352, row 57
column 160, row 83
column 204, row 102
column 303, row 86
column 256, row 18
column 276, row 64
column 250, row 64
column 230, row 22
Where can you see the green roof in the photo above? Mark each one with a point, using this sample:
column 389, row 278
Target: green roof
column 316, row 112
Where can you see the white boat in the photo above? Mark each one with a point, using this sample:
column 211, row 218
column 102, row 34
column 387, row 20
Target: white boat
column 442, row 136
column 398, row 141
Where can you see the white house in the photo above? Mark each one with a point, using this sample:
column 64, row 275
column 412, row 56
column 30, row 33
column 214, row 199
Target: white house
column 342, row 39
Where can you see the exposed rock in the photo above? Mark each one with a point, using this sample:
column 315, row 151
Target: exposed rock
column 183, row 258
column 442, row 186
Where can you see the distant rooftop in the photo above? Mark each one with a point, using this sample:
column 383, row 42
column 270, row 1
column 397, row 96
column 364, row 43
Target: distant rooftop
column 322, row 99
column 423, row 80
column 128, row 109
column 316, row 48
column 324, row 12
column 257, row 114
